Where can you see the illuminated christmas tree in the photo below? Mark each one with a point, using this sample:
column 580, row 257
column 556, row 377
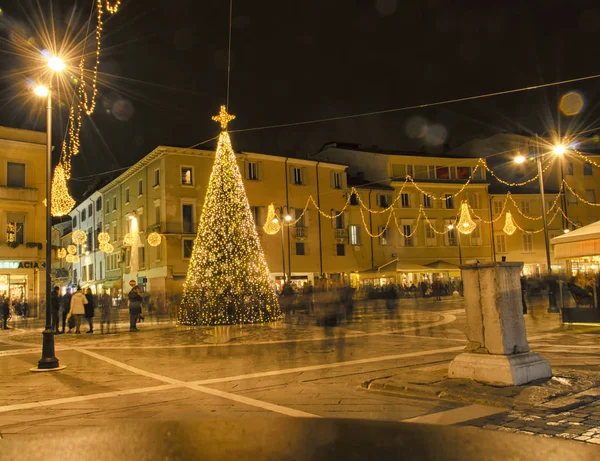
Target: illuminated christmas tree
column 228, row 280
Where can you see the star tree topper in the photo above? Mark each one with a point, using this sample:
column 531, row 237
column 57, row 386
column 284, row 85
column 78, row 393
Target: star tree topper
column 223, row 118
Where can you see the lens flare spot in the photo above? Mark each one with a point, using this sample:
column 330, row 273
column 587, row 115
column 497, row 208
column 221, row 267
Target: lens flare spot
column 571, row 103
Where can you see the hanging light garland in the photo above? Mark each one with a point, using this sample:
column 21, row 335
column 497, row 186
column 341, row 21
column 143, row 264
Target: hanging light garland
column 465, row 224
column 272, row 225
column 154, row 239
column 103, row 237
column 79, row 237
column 62, row 202
column 75, row 259
column 61, row 253
column 509, row 224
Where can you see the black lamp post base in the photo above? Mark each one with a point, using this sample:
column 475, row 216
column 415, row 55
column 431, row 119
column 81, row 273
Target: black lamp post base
column 48, row 360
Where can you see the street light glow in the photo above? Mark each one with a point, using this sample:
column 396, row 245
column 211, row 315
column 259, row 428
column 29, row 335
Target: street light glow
column 450, row 226
column 566, row 231
column 288, row 218
column 519, row 159
column 275, row 220
column 559, row 149
column 41, row 90
column 56, row 64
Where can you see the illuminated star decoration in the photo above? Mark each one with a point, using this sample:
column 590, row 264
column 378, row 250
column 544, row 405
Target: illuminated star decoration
column 509, row 224
column 228, row 280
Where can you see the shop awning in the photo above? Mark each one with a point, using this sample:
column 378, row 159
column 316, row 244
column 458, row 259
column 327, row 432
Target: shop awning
column 444, row 266
column 581, row 242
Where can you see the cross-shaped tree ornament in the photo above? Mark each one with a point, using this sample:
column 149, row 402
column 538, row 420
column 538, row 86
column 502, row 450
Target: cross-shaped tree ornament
column 223, row 118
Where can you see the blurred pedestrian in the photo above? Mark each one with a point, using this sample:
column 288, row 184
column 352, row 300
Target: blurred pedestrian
column 66, row 307
column 135, row 307
column 105, row 304
column 77, row 310
column 89, row 309
column 523, row 291
column 436, row 288
column 55, row 305
column 4, row 310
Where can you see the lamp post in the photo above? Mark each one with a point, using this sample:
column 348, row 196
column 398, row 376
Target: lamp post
column 451, row 227
column 558, row 149
column 283, row 215
column 48, row 360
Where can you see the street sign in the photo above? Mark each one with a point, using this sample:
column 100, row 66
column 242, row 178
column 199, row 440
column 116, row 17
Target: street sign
column 132, row 283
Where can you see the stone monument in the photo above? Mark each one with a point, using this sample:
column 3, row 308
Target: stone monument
column 498, row 351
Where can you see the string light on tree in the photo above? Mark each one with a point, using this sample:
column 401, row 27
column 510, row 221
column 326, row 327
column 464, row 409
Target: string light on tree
column 228, row 280
column 465, row 224
column 509, row 224
column 154, row 239
column 79, row 237
column 272, row 225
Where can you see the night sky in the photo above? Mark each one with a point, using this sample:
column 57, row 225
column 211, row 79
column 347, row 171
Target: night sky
column 164, row 63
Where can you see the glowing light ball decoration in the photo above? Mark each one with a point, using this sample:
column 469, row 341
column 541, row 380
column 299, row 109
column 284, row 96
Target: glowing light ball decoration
column 128, row 239
column 61, row 202
column 75, row 259
column 69, row 258
column 106, row 248
column 272, row 225
column 154, row 239
column 465, row 225
column 61, row 253
column 79, row 237
column 71, row 249
column 103, row 237
column 228, row 280
column 509, row 224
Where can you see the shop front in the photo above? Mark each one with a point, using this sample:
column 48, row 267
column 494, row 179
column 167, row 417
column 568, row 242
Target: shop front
column 21, row 281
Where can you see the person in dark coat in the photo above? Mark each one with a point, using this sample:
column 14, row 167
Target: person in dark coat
column 135, row 307
column 436, row 289
column 66, row 307
column 89, row 309
column 523, row 291
column 55, row 304
column 4, row 310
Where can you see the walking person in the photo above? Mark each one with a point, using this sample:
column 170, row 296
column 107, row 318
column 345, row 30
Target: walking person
column 77, row 310
column 89, row 309
column 523, row 292
column 55, row 305
column 437, row 289
column 135, row 307
column 4, row 311
column 66, row 307
column 105, row 303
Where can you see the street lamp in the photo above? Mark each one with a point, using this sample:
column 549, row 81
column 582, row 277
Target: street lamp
column 451, row 227
column 48, row 360
column 282, row 212
column 558, row 149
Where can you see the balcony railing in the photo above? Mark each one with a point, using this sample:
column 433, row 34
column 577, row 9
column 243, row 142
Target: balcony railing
column 341, row 234
column 20, row 194
column 300, row 232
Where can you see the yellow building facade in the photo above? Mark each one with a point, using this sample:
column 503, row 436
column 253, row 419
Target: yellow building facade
column 22, row 219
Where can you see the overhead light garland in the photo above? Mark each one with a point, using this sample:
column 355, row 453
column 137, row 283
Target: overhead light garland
column 70, row 258
column 61, row 202
column 272, row 224
column 129, row 239
column 509, row 224
column 106, row 248
column 71, row 249
column 228, row 280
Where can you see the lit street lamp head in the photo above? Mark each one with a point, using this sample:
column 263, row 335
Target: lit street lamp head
column 519, row 159
column 288, row 218
column 56, row 64
column 559, row 149
column 41, row 90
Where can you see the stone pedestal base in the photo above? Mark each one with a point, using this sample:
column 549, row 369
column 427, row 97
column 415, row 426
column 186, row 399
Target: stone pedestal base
column 511, row 370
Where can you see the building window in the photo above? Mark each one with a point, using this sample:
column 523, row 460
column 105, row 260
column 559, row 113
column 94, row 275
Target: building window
column 463, row 172
column 474, row 200
column 74, row 221
column 127, row 195
column 336, row 180
column 90, row 239
column 15, row 231
column 188, row 246
column 590, row 195
column 142, row 256
column 252, row 171
column 587, row 169
column 83, row 215
column 527, row 243
column 450, row 235
column 354, row 234
column 405, row 200
column 100, row 271
column 300, row 215
column 384, row 201
column 187, row 176
column 570, row 170
column 497, row 206
column 140, row 187
column 84, row 274
column 427, row 201
column 107, row 207
column 524, row 206
column 449, row 201
column 421, row 172
column 300, row 249
column 15, row 174
column 476, row 236
column 408, row 237
column 571, row 197
column 99, row 204
column 340, row 249
column 338, row 221
column 442, row 172
column 500, row 243
column 256, row 215
column 187, row 218
column 430, row 238
column 298, row 176
column 115, row 203
column 90, row 210
column 353, row 199
column 384, row 238
column 156, row 177
column 91, row 271
column 157, row 214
